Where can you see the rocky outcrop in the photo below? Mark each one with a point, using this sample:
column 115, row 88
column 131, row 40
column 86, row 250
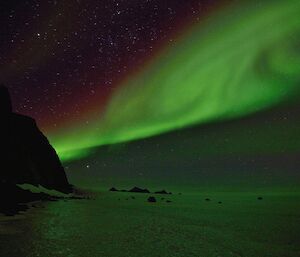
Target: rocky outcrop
column 151, row 199
column 26, row 155
column 139, row 190
column 163, row 192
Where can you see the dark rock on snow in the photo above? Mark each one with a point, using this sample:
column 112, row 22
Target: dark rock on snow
column 151, row 199
column 259, row 198
column 207, row 199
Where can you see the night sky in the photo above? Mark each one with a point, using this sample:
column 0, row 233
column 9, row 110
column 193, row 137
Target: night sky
column 58, row 57
column 103, row 72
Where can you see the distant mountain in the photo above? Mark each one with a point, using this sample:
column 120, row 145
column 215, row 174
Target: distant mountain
column 26, row 155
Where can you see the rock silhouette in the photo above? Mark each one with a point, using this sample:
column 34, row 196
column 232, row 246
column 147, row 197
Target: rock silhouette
column 139, row 190
column 26, row 155
column 151, row 199
column 162, row 192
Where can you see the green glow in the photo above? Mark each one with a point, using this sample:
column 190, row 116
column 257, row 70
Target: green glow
column 239, row 61
column 67, row 154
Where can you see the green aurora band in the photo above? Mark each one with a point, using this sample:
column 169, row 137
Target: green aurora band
column 239, row 60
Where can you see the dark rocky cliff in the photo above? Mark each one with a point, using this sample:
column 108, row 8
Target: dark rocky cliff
column 26, row 155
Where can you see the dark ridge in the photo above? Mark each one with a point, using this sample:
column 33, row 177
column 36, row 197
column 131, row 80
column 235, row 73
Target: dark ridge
column 138, row 190
column 26, row 157
column 163, row 192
